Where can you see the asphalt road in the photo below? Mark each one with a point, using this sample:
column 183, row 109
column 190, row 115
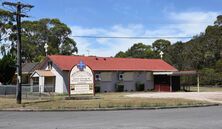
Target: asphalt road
column 187, row 118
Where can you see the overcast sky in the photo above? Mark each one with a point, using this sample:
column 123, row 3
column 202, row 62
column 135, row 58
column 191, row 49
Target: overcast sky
column 156, row 18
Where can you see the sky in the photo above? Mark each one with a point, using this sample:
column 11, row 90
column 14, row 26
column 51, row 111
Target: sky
column 129, row 18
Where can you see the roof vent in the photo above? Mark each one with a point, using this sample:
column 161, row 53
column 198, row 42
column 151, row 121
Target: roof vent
column 104, row 58
column 97, row 58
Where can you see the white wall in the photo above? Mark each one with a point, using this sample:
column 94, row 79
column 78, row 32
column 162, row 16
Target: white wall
column 59, row 81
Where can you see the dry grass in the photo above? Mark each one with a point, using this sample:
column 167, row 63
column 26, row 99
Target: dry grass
column 106, row 100
column 206, row 89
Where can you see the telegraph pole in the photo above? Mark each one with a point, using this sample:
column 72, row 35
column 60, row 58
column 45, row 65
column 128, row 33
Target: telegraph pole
column 19, row 6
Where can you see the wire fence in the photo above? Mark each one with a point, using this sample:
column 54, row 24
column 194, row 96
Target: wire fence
column 28, row 91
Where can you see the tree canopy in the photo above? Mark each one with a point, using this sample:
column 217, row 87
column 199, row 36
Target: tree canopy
column 35, row 34
column 138, row 50
column 51, row 31
column 160, row 45
column 7, row 69
column 141, row 50
column 6, row 27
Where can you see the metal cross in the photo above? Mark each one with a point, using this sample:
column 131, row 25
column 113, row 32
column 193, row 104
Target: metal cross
column 81, row 65
column 161, row 54
column 46, row 48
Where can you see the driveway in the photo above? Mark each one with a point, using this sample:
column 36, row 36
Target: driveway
column 215, row 97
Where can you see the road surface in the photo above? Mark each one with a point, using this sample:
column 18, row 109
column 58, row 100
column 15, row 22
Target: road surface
column 187, row 118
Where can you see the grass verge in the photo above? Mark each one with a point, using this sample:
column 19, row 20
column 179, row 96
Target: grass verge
column 106, row 100
column 206, row 89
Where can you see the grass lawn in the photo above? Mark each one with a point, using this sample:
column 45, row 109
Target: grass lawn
column 206, row 89
column 106, row 100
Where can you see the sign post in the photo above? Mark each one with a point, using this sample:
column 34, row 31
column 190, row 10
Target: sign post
column 81, row 80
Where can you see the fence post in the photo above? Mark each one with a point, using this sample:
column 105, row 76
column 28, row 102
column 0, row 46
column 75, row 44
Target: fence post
column 5, row 90
column 31, row 88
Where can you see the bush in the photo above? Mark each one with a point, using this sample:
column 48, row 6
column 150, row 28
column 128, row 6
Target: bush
column 7, row 69
column 97, row 89
column 140, row 86
column 209, row 76
column 119, row 88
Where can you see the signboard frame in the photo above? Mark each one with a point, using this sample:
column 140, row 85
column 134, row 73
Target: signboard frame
column 69, row 79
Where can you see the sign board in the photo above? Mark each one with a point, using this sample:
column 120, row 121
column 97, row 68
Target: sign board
column 81, row 80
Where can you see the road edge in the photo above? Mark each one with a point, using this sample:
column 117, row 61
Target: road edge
column 107, row 109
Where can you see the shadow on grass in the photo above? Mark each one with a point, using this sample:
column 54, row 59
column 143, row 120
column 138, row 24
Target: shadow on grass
column 82, row 97
column 36, row 102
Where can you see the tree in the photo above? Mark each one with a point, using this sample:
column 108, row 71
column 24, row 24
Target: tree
column 218, row 66
column 121, row 54
column 208, row 76
column 68, row 47
column 175, row 54
column 35, row 34
column 6, row 27
column 138, row 50
column 7, row 68
column 51, row 31
column 160, row 45
column 218, row 22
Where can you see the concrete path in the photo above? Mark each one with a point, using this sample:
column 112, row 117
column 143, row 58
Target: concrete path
column 215, row 97
column 186, row 118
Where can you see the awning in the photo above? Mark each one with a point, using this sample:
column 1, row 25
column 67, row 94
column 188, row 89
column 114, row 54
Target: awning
column 42, row 73
column 162, row 73
column 184, row 73
column 177, row 73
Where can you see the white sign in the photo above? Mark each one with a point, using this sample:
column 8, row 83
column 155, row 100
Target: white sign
column 81, row 80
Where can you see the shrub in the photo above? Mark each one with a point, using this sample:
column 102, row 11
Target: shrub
column 119, row 88
column 97, row 89
column 140, row 86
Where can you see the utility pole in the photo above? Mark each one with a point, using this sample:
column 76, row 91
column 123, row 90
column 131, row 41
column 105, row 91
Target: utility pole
column 19, row 6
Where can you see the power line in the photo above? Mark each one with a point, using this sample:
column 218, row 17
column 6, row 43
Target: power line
column 134, row 37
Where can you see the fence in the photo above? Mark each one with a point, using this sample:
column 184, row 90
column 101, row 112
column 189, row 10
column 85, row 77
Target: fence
column 26, row 89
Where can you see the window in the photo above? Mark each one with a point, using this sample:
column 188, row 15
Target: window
column 97, row 77
column 50, row 65
column 121, row 76
column 35, row 81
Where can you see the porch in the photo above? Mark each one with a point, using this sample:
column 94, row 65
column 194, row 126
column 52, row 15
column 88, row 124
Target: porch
column 43, row 81
column 170, row 81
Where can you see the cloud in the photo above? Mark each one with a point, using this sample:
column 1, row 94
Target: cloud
column 184, row 24
column 107, row 47
column 195, row 22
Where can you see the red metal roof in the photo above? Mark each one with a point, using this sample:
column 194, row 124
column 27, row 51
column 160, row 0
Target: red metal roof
column 111, row 64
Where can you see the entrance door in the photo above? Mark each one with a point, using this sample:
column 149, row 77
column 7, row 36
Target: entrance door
column 162, row 83
column 49, row 84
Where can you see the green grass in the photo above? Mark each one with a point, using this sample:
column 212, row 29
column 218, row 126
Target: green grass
column 106, row 100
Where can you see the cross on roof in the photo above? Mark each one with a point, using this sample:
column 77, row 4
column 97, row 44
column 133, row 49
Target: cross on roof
column 81, row 65
column 161, row 54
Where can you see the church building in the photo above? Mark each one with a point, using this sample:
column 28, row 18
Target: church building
column 109, row 74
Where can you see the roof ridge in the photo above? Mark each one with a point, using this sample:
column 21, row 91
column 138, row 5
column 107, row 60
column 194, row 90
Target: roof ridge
column 104, row 57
